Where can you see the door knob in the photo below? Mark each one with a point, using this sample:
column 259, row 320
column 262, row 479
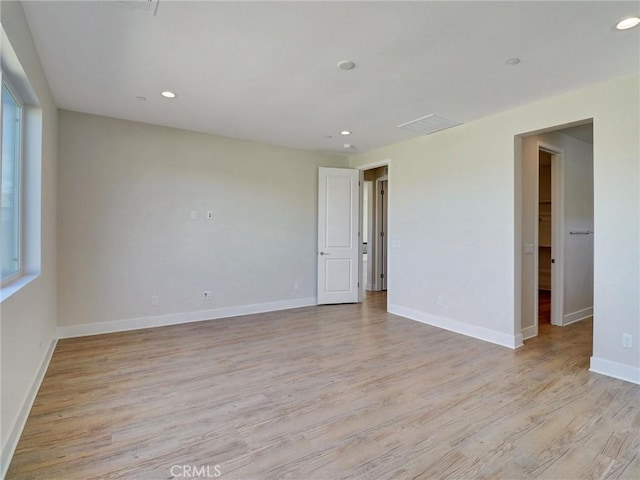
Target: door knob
column 324, row 253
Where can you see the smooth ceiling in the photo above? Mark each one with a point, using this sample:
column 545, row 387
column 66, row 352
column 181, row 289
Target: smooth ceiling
column 266, row 71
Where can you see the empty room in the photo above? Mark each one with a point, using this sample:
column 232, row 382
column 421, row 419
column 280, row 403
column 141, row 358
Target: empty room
column 320, row 240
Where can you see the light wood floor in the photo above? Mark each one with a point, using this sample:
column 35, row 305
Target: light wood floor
column 544, row 307
column 328, row 392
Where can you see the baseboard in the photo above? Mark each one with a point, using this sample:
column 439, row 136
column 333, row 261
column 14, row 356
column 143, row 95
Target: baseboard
column 518, row 341
column 18, row 426
column 85, row 329
column 574, row 317
column 617, row 370
column 481, row 333
column 530, row 332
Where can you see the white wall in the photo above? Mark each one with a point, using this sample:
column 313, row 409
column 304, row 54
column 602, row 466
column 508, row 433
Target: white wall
column 453, row 216
column 126, row 194
column 578, row 216
column 28, row 323
column 577, row 211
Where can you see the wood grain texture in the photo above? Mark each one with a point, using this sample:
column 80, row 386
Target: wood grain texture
column 544, row 306
column 328, row 392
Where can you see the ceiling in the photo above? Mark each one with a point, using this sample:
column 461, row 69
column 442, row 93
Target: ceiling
column 267, row 71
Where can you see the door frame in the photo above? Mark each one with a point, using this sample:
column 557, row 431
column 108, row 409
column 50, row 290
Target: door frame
column 362, row 168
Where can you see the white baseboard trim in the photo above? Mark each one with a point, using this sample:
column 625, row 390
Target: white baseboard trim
column 481, row 333
column 85, row 329
column 574, row 317
column 530, row 332
column 518, row 341
column 15, row 433
column 617, row 370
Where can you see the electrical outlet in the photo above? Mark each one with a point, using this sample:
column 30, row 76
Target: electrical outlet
column 206, row 294
column 627, row 340
column 296, row 286
column 154, row 300
column 440, row 300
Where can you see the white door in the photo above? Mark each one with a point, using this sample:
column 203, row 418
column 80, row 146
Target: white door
column 338, row 239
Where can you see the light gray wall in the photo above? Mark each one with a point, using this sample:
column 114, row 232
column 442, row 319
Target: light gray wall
column 454, row 215
column 28, row 323
column 125, row 233
column 578, row 215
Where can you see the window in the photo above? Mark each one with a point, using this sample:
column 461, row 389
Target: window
column 10, row 215
column 21, row 168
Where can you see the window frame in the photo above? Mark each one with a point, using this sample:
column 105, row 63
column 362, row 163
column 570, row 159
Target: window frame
column 19, row 177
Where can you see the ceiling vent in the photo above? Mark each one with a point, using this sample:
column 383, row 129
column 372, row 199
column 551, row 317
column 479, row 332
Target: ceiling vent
column 148, row 6
column 428, row 124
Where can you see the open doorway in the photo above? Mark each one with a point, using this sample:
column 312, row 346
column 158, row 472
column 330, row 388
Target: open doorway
column 556, row 228
column 382, row 186
column 546, row 229
column 375, row 184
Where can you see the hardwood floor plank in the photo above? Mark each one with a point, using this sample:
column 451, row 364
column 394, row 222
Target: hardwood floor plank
column 330, row 392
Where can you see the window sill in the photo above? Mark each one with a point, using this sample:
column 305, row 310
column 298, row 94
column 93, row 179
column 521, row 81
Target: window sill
column 16, row 285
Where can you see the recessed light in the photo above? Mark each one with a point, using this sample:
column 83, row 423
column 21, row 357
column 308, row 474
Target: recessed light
column 513, row 61
column 345, row 132
column 627, row 23
column 168, row 94
column 346, row 65
column 348, row 146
